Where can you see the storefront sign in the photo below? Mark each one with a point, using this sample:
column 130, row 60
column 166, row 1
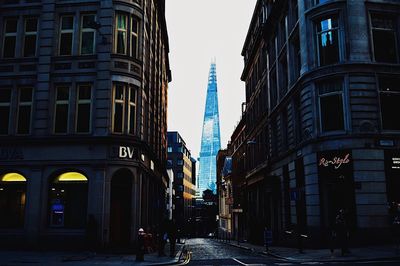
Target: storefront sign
column 9, row 153
column 336, row 161
column 126, row 152
column 395, row 163
column 123, row 152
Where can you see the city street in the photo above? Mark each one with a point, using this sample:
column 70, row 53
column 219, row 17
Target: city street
column 213, row 252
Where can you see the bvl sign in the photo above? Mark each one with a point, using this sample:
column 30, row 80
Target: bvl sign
column 126, row 152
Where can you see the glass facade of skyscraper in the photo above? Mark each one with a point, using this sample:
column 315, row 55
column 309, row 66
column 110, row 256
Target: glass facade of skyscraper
column 210, row 140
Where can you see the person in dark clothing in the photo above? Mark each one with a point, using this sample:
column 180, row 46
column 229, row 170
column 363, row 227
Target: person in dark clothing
column 140, row 245
column 162, row 238
column 342, row 232
column 172, row 232
column 91, row 233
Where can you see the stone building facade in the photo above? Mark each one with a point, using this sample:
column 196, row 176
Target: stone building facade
column 322, row 89
column 83, row 106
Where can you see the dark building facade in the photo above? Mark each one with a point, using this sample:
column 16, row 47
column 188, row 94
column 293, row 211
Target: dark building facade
column 180, row 159
column 83, row 105
column 322, row 84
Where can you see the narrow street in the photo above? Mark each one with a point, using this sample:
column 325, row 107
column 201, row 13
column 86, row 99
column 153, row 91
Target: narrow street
column 212, row 252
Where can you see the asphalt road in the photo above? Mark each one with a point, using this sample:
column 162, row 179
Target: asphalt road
column 212, row 252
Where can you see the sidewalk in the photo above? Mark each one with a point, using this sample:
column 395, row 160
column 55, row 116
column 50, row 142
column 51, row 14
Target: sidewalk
column 371, row 253
column 14, row 258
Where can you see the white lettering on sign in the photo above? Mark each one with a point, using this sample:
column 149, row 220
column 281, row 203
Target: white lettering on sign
column 126, row 152
column 336, row 162
column 395, row 163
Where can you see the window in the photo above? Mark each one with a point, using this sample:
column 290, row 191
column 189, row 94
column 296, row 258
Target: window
column 331, row 105
column 121, row 34
column 179, row 162
column 61, row 109
column 283, row 75
column 118, row 110
column 5, row 102
column 295, row 59
column 83, row 112
column 66, row 35
column 68, row 201
column 24, row 110
column 273, row 87
column 124, row 110
column 169, row 149
column 88, row 34
column 132, row 110
column 328, row 41
column 384, row 38
column 10, row 37
column 389, row 87
column 30, row 37
column 179, row 175
column 12, row 200
column 134, row 37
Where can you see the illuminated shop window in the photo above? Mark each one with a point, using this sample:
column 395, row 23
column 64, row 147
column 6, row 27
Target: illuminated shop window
column 12, row 200
column 68, row 200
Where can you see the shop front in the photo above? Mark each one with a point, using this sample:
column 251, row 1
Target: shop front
column 392, row 169
column 336, row 184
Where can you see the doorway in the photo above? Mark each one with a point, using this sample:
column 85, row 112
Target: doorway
column 120, row 208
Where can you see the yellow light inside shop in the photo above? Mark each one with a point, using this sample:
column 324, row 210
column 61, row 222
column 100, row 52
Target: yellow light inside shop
column 72, row 177
column 13, row 177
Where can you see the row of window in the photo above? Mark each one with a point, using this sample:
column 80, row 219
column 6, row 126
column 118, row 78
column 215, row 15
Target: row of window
column 281, row 74
column 287, row 128
column 126, row 35
column 71, row 105
column 332, row 108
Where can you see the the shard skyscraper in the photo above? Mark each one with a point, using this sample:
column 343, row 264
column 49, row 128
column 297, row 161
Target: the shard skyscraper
column 210, row 139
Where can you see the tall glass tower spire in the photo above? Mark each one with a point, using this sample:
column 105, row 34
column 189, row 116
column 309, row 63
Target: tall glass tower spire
column 210, row 139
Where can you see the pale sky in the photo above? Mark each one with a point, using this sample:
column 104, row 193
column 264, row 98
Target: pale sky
column 200, row 30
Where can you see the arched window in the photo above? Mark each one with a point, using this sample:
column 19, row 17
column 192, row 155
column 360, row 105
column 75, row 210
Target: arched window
column 68, row 200
column 12, row 200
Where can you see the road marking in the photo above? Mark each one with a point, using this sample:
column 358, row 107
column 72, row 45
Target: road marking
column 244, row 264
column 376, row 261
column 238, row 261
column 284, row 263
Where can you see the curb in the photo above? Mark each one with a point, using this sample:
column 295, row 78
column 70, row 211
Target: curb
column 288, row 259
column 174, row 261
column 272, row 254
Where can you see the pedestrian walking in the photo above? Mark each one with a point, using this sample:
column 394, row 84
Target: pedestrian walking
column 162, row 238
column 140, row 245
column 148, row 241
column 172, row 233
column 342, row 232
